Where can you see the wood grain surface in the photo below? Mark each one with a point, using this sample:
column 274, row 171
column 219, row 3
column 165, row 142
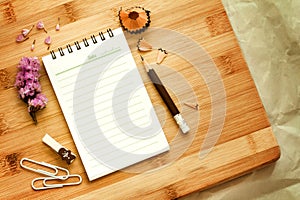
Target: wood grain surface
column 246, row 143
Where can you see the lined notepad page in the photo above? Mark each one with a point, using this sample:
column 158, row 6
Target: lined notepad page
column 106, row 105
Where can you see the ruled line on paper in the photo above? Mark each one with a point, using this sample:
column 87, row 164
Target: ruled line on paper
column 113, row 51
column 113, row 156
column 100, row 96
column 121, row 137
column 64, row 76
column 104, row 123
column 69, row 85
column 107, row 114
column 127, row 144
column 118, row 141
column 118, row 132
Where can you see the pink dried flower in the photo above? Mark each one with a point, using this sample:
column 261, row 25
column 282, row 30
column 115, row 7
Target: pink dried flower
column 32, row 46
column 27, row 82
column 21, row 38
column 25, row 32
column 37, row 103
column 40, row 25
column 57, row 27
column 48, row 40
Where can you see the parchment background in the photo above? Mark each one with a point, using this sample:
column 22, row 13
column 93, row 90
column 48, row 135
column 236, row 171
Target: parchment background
column 268, row 32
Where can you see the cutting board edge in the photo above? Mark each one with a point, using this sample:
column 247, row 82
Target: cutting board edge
column 196, row 177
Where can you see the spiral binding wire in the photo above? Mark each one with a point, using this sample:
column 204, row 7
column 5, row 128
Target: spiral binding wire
column 77, row 45
column 94, row 39
column 70, row 50
column 85, row 42
column 61, row 52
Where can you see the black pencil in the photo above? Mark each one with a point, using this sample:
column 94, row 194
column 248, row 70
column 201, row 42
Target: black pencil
column 166, row 97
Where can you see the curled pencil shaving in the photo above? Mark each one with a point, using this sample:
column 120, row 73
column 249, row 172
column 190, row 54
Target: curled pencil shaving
column 192, row 105
column 143, row 45
column 135, row 19
column 161, row 55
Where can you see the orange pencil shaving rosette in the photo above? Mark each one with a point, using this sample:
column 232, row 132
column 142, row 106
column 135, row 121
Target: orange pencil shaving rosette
column 135, row 19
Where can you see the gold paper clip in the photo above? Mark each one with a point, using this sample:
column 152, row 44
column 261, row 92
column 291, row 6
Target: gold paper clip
column 54, row 168
column 56, row 185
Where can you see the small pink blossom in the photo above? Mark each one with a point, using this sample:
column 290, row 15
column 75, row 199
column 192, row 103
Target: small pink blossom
column 32, row 46
column 48, row 40
column 21, row 38
column 57, row 27
column 40, row 25
column 29, row 88
column 25, row 31
column 37, row 103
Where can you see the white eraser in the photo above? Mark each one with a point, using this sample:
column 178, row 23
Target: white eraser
column 181, row 123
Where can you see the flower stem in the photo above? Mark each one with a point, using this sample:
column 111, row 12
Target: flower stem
column 33, row 116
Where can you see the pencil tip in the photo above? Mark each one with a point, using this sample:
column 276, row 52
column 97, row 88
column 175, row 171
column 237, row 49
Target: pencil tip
column 142, row 58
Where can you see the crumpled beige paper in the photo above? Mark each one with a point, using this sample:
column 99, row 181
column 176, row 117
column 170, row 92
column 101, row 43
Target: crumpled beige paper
column 268, row 32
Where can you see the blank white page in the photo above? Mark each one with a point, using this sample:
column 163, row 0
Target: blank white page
column 105, row 104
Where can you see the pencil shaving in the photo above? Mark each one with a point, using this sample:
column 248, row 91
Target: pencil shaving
column 143, row 45
column 192, row 105
column 135, row 19
column 161, row 55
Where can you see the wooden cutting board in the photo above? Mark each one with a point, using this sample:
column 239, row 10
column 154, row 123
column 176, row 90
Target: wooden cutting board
column 245, row 143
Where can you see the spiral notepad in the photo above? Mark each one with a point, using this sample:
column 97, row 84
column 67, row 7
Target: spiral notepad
column 105, row 103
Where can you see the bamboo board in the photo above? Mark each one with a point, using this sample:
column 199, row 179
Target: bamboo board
column 245, row 144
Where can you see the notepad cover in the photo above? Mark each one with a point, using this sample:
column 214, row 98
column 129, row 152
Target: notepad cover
column 105, row 104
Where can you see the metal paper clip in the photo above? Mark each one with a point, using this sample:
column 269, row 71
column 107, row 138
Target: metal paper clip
column 56, row 185
column 43, row 187
column 47, row 165
column 62, row 184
